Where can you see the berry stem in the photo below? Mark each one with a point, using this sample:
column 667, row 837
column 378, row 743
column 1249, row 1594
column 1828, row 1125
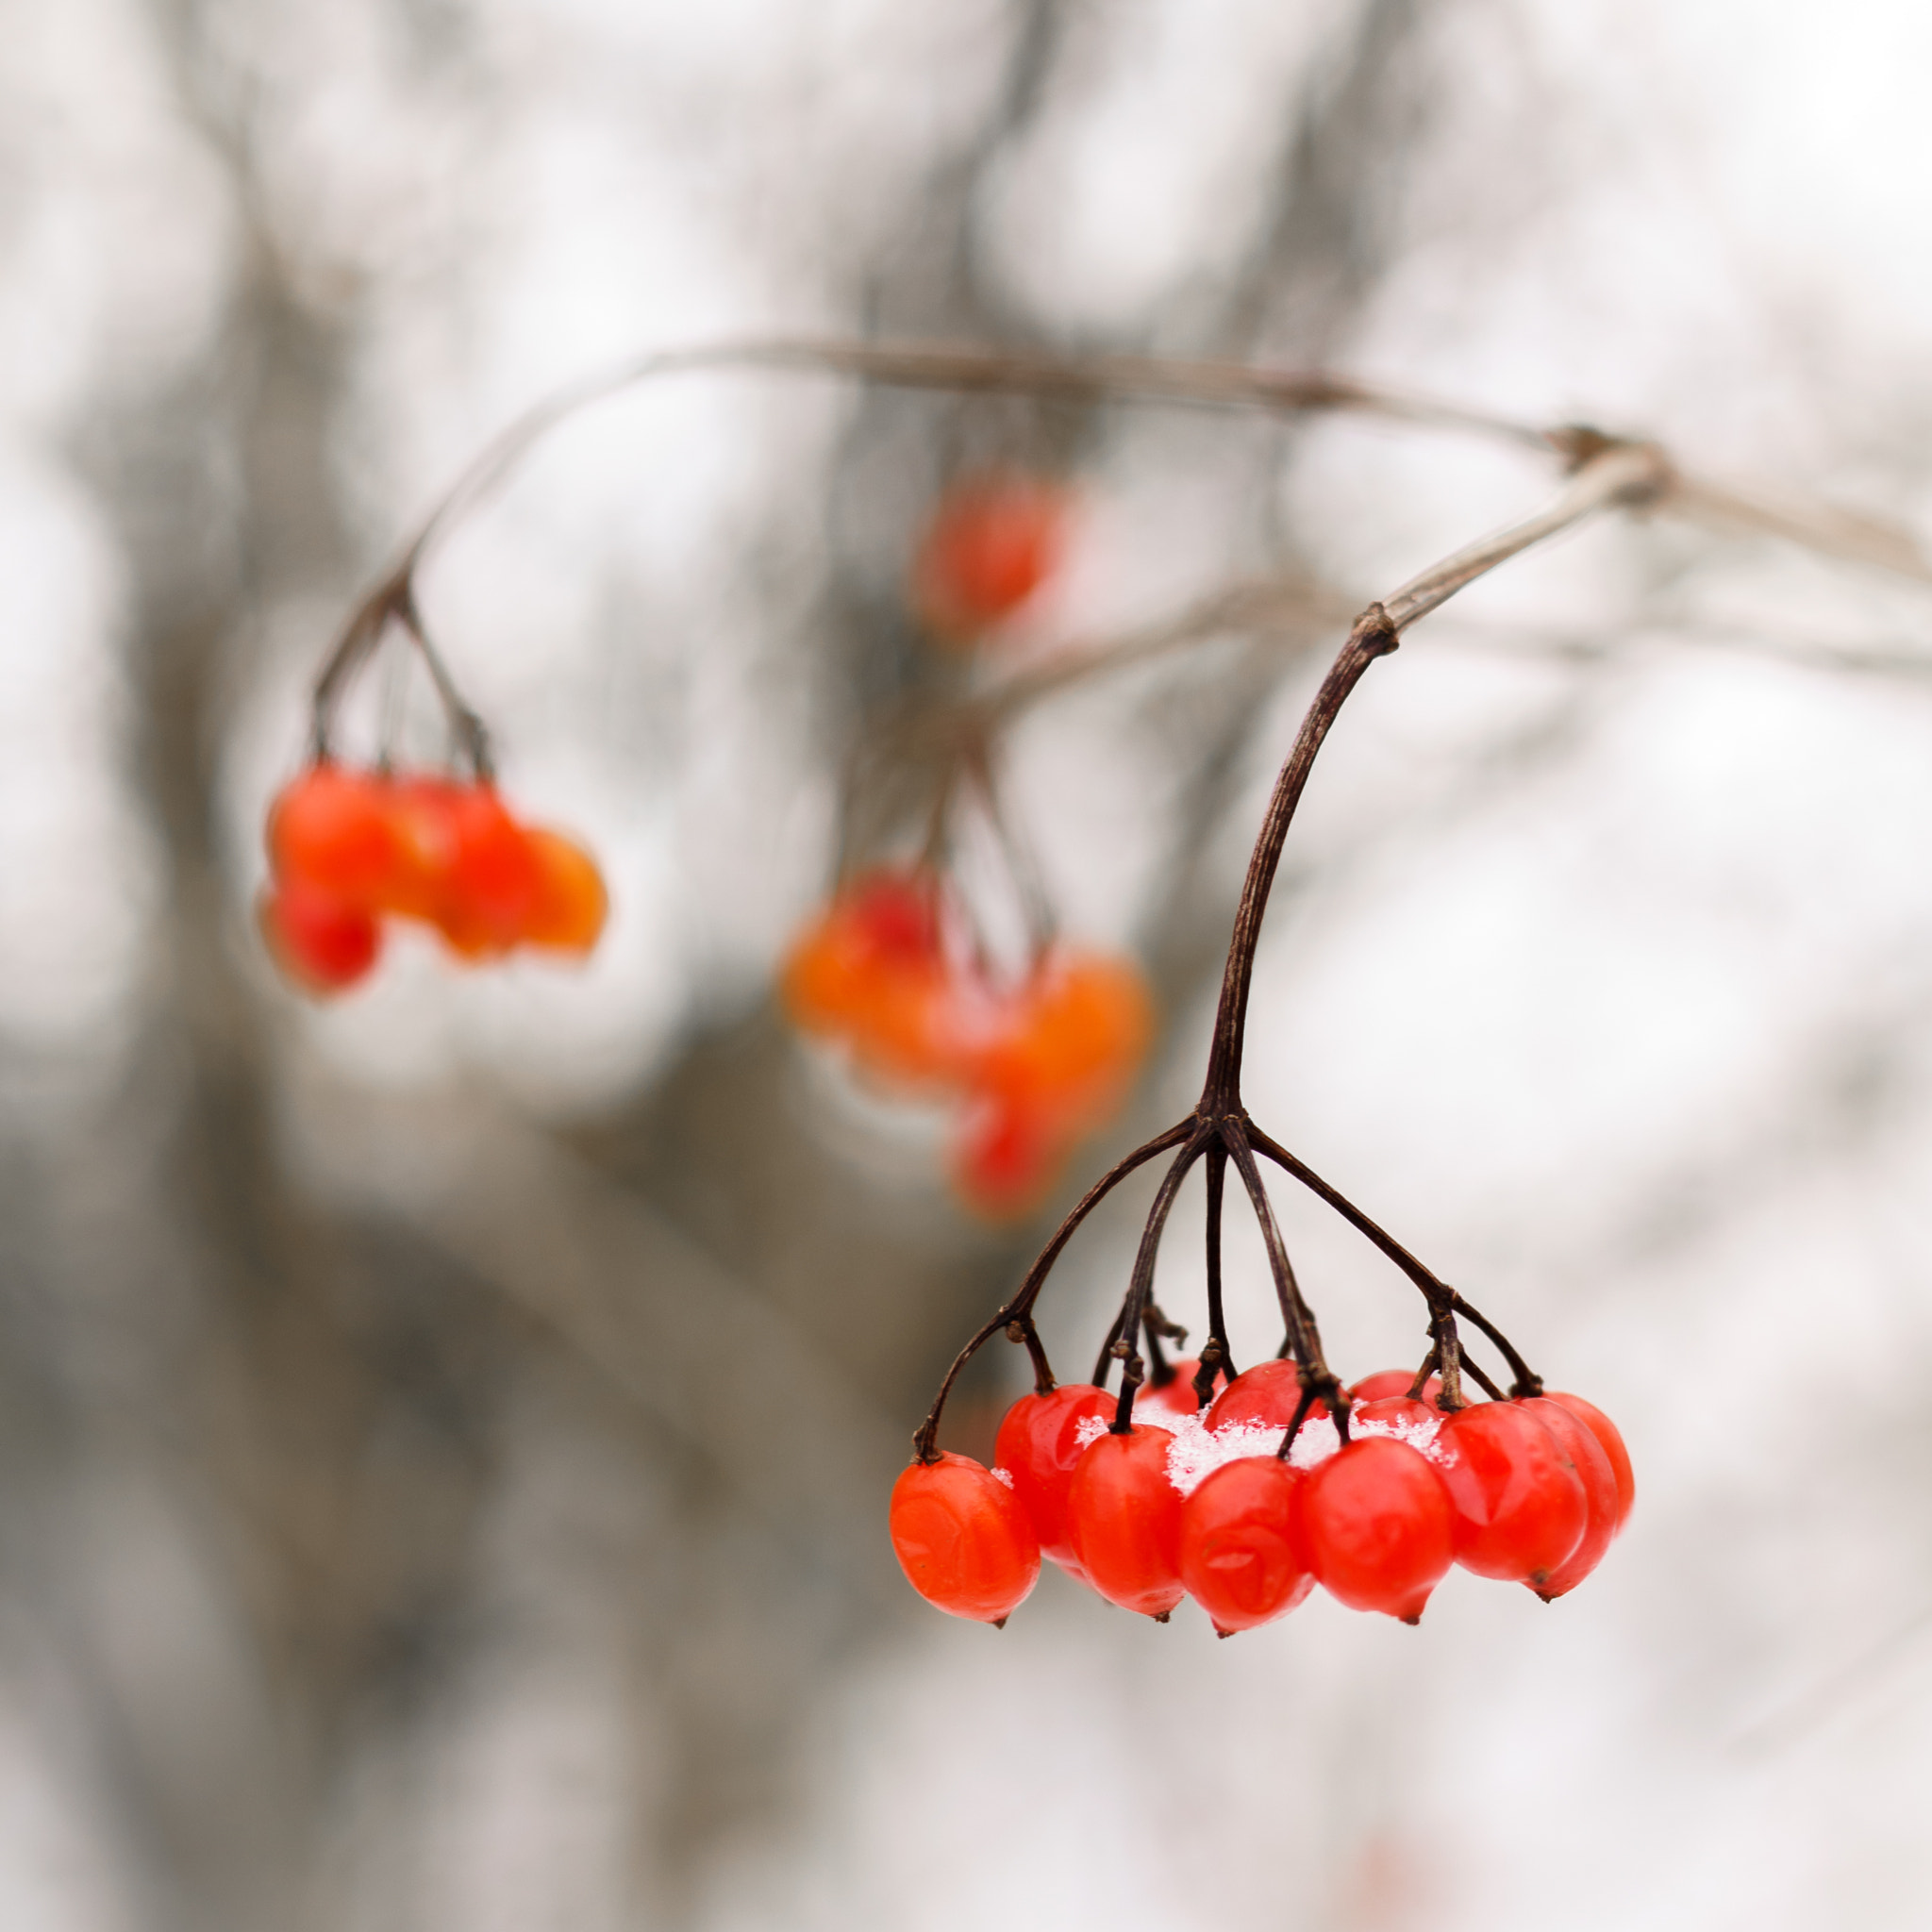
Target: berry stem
column 1103, row 1366
column 1527, row 1382
column 1157, row 1328
column 1022, row 862
column 1445, row 1303
column 1298, row 1417
column 1448, row 1354
column 1473, row 1369
column 1217, row 1356
column 1433, row 1289
column 1296, row 1315
column 394, row 602
column 1140, row 1283
column 1024, row 1330
column 1431, row 1363
column 926, row 1438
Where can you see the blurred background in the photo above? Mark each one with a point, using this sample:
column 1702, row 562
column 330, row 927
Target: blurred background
column 444, row 1437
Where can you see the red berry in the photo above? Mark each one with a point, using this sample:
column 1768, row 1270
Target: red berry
column 1125, row 1518
column 1385, row 1382
column 331, row 829
column 1037, row 1445
column 493, row 883
column 1605, row 1430
column 1239, row 1556
column 1519, row 1508
column 320, row 943
column 962, row 1539
column 1265, row 1395
column 990, row 544
column 1376, row 1527
column 1586, row 1456
column 1177, row 1395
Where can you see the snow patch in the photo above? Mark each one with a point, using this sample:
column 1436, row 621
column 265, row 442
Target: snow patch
column 1197, row 1451
column 1418, row 1435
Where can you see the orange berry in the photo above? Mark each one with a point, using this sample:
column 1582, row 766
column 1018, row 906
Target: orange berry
column 989, row 545
column 874, row 930
column 572, row 903
column 870, row 972
column 321, row 942
column 1075, row 1038
column 908, row 1034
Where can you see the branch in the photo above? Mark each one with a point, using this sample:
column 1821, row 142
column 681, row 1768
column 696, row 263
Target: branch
column 1623, row 474
column 962, row 368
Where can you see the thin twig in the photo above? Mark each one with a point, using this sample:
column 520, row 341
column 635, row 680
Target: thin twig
column 926, row 1436
column 1140, row 1284
column 1217, row 1355
column 1296, row 1315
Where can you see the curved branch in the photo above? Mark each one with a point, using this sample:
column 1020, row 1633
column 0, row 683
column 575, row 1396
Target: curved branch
column 1617, row 473
column 1373, row 637
column 907, row 365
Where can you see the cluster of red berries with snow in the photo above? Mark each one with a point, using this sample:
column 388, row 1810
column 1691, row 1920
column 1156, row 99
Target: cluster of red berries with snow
column 348, row 849
column 1245, row 1515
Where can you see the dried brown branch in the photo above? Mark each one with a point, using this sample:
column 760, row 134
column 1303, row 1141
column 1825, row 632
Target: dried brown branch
column 1638, row 469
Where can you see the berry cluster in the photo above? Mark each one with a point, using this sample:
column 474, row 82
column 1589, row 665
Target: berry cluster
column 990, row 544
column 348, row 848
column 1037, row 1063
column 1248, row 1506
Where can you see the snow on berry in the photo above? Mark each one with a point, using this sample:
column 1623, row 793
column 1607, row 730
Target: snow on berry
column 1197, row 1451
